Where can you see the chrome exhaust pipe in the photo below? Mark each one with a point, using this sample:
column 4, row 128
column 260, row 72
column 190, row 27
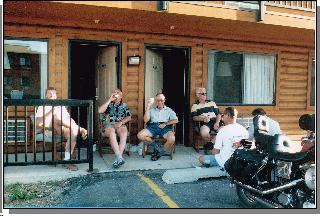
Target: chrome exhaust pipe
column 269, row 191
column 266, row 203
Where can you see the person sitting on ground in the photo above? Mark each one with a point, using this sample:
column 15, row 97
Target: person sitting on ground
column 207, row 113
column 159, row 121
column 116, row 116
column 272, row 126
column 227, row 140
column 62, row 124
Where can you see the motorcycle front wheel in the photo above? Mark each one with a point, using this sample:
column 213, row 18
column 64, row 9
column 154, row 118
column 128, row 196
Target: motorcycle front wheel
column 246, row 198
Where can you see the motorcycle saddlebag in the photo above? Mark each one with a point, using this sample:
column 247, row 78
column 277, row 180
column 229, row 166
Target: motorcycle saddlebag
column 243, row 164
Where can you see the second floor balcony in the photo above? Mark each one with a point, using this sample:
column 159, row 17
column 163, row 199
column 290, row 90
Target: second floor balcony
column 300, row 14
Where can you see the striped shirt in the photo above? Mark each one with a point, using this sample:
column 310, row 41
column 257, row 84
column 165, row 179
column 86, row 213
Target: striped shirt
column 209, row 108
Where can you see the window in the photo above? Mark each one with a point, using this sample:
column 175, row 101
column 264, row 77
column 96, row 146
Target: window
column 26, row 65
column 7, row 80
column 25, row 81
column 21, row 131
column 312, row 92
column 244, row 5
column 25, row 62
column 241, row 78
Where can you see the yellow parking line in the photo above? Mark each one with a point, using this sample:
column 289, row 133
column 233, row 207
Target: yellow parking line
column 166, row 199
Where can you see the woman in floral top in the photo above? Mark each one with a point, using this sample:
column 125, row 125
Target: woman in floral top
column 115, row 117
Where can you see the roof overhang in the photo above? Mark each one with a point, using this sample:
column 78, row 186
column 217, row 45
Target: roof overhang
column 56, row 14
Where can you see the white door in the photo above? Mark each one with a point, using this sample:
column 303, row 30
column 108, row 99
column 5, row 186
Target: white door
column 105, row 77
column 106, row 73
column 153, row 74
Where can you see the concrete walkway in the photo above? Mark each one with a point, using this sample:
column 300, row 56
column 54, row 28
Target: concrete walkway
column 184, row 158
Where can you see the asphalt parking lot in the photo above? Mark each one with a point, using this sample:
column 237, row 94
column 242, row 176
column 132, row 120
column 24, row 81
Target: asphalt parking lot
column 146, row 189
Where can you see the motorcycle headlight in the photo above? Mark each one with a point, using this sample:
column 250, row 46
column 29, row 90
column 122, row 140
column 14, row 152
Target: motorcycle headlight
column 310, row 178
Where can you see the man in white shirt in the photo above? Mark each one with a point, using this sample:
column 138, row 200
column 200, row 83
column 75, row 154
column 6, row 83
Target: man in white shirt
column 160, row 119
column 62, row 124
column 227, row 140
column 272, row 127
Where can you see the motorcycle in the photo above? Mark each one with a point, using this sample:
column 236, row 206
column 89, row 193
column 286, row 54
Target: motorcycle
column 270, row 177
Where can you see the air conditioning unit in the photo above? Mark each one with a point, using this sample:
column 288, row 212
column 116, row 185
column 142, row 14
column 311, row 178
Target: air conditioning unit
column 163, row 5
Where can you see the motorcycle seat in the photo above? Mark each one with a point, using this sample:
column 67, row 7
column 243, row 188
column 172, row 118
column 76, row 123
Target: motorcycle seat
column 290, row 157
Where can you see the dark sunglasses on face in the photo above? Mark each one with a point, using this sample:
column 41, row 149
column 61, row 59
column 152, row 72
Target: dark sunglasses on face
column 202, row 93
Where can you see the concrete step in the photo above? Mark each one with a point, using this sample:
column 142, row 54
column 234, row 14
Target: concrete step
column 191, row 174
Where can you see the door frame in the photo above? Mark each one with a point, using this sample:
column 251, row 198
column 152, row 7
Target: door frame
column 118, row 67
column 96, row 42
column 187, row 84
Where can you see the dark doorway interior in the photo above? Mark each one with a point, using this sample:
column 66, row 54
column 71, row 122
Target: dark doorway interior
column 175, row 85
column 82, row 67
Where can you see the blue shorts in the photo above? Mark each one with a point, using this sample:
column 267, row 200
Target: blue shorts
column 211, row 160
column 155, row 130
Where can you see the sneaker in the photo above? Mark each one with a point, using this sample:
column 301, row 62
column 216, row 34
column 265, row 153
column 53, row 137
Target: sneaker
column 115, row 164
column 156, row 155
column 121, row 162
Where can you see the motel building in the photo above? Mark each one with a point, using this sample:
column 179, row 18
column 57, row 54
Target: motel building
column 246, row 54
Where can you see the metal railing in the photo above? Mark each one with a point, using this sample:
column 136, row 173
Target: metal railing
column 254, row 5
column 298, row 5
column 26, row 144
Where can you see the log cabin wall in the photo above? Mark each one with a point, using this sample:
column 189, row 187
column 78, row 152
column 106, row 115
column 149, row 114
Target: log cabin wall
column 292, row 71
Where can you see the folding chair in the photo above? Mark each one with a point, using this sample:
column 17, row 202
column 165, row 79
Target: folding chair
column 198, row 142
column 103, row 141
column 160, row 140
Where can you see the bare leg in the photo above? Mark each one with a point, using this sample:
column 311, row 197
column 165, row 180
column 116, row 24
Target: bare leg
column 145, row 136
column 205, row 133
column 110, row 132
column 122, row 132
column 201, row 159
column 170, row 141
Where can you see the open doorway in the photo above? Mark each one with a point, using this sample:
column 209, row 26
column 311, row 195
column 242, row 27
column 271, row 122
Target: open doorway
column 167, row 71
column 94, row 71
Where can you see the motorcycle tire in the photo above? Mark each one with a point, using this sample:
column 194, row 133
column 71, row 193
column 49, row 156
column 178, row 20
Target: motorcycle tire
column 246, row 199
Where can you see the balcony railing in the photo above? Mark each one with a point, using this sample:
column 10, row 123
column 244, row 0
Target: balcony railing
column 25, row 144
column 254, row 5
column 298, row 5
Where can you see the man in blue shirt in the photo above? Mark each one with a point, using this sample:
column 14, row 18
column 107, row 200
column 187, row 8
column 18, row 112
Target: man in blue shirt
column 159, row 121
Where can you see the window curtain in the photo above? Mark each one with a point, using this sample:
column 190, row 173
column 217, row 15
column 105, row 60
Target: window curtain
column 211, row 72
column 258, row 83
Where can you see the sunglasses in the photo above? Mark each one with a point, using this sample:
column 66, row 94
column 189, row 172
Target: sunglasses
column 203, row 93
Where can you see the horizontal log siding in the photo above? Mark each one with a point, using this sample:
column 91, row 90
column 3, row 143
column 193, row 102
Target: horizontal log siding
column 133, row 84
column 291, row 73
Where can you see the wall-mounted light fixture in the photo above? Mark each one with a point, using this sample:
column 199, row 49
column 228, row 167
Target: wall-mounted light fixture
column 134, row 60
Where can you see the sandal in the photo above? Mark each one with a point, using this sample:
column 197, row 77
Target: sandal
column 156, row 156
